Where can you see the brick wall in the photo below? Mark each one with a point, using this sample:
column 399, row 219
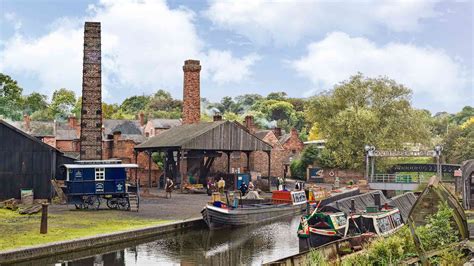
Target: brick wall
column 191, row 92
column 50, row 140
column 344, row 175
column 294, row 143
column 68, row 145
column 123, row 149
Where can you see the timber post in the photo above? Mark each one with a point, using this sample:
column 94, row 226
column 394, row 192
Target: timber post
column 149, row 169
column 44, row 218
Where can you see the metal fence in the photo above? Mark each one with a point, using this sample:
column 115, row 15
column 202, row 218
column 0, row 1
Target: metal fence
column 394, row 178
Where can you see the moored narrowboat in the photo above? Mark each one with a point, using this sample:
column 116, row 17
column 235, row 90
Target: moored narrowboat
column 283, row 203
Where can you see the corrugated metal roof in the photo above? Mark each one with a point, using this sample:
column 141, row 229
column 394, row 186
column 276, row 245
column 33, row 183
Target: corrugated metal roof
column 218, row 135
column 165, row 123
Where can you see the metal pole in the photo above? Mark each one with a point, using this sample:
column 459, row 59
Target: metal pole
column 149, row 169
column 44, row 219
column 373, row 168
column 367, row 166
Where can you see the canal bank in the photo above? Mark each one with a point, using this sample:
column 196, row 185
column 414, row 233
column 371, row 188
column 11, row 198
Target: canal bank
column 56, row 248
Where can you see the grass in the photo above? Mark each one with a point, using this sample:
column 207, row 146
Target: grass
column 23, row 230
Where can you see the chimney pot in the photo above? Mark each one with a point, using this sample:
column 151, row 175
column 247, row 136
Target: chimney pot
column 71, row 121
column 249, row 124
column 191, row 92
column 217, row 117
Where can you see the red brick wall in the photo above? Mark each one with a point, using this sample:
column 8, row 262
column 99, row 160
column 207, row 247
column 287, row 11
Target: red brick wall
column 51, row 141
column 191, row 92
column 67, row 145
column 344, row 175
column 294, row 143
column 124, row 150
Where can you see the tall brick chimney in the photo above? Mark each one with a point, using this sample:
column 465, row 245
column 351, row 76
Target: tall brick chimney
column 27, row 122
column 191, row 92
column 71, row 120
column 91, row 118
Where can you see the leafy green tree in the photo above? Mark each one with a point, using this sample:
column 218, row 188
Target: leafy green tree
column 10, row 98
column 35, row 102
column 279, row 96
column 465, row 114
column 458, row 145
column 108, row 110
column 162, row 105
column 246, row 101
column 307, row 158
column 62, row 103
column 364, row 111
column 133, row 105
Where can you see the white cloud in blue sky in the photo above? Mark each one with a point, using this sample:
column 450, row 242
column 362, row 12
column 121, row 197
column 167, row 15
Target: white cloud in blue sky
column 245, row 46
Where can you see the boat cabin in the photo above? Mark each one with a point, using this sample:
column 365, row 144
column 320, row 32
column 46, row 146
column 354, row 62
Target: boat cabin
column 383, row 222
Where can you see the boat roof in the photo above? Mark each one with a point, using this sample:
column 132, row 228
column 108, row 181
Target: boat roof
column 82, row 166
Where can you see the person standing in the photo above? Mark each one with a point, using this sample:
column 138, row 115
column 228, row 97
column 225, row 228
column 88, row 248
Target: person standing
column 169, row 187
column 221, row 185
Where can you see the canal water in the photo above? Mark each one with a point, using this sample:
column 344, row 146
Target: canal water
column 251, row 245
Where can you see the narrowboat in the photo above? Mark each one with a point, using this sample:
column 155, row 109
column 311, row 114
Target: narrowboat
column 218, row 214
column 323, row 226
column 88, row 182
column 329, row 223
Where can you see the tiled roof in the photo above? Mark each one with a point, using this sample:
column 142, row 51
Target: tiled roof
column 126, row 127
column 165, row 123
column 284, row 138
column 37, row 128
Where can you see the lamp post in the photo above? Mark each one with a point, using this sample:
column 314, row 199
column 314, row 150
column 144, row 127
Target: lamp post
column 439, row 170
column 369, row 152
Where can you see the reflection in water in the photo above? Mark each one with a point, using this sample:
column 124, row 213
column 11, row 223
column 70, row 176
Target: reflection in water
column 234, row 246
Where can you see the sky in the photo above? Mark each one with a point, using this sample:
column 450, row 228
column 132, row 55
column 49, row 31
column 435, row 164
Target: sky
column 302, row 47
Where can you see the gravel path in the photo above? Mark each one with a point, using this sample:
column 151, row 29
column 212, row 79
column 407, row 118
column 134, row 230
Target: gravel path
column 155, row 206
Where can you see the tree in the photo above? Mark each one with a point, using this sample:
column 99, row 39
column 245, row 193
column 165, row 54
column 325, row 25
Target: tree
column 133, row 105
column 108, row 110
column 162, row 105
column 245, row 102
column 458, row 145
column 62, row 103
column 279, row 96
column 364, row 111
column 307, row 158
column 10, row 98
column 35, row 102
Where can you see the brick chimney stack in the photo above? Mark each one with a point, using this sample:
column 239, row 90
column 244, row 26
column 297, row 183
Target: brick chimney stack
column 26, row 121
column 191, row 92
column 91, row 118
column 71, row 120
column 249, row 124
column 141, row 117
column 277, row 132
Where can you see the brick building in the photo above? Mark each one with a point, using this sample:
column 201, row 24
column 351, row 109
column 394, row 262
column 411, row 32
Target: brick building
column 156, row 126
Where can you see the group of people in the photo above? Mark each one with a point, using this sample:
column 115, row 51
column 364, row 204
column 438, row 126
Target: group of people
column 220, row 186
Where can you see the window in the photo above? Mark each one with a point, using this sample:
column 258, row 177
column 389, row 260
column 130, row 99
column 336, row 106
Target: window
column 99, row 174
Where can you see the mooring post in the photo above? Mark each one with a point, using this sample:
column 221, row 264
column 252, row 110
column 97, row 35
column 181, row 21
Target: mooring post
column 44, row 218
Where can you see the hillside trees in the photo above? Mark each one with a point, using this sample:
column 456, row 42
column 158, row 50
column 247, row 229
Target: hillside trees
column 10, row 98
column 364, row 111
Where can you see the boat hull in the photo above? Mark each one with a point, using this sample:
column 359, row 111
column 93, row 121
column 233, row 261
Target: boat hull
column 216, row 217
column 317, row 240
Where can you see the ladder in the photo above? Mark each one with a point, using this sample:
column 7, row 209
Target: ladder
column 134, row 201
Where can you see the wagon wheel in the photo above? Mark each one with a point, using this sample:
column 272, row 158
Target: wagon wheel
column 112, row 203
column 123, row 204
column 92, row 202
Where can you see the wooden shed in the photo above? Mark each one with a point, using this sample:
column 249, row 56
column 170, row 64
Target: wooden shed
column 27, row 163
column 193, row 147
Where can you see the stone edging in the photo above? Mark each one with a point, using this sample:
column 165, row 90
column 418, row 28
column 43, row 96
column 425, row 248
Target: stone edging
column 39, row 251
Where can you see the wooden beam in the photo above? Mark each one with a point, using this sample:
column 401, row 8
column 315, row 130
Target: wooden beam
column 228, row 162
column 135, row 156
column 248, row 160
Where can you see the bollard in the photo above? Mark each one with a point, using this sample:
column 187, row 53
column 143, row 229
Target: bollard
column 44, row 218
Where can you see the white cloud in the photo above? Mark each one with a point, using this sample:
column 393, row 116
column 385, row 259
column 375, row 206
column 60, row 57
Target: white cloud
column 224, row 67
column 144, row 45
column 430, row 73
column 286, row 22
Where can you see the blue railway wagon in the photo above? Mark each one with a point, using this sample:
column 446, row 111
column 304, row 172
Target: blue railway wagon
column 87, row 183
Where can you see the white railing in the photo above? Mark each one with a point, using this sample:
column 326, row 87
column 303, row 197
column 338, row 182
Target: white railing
column 393, row 178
